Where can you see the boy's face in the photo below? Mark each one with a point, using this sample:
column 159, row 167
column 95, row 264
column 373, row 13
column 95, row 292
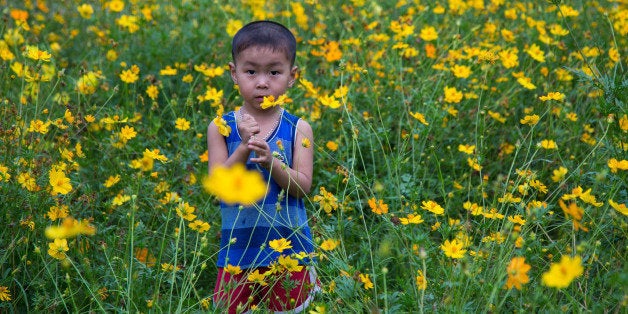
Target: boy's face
column 261, row 72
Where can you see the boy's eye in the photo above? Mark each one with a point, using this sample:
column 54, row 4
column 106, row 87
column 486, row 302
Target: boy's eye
column 274, row 72
column 251, row 72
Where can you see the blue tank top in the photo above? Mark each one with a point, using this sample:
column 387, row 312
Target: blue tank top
column 246, row 231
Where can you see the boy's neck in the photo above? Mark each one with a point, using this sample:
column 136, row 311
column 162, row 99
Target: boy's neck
column 260, row 113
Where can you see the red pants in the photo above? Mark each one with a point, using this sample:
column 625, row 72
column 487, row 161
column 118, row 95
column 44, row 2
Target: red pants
column 277, row 292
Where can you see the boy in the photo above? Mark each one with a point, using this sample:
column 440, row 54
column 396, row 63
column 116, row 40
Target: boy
column 270, row 141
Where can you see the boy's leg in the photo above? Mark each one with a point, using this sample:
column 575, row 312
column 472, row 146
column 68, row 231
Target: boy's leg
column 232, row 292
column 294, row 291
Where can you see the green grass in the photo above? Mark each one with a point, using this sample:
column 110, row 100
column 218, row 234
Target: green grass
column 383, row 152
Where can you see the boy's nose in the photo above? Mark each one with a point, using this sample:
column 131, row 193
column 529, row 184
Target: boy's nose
column 262, row 82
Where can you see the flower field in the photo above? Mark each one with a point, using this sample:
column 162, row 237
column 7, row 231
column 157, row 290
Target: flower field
column 470, row 156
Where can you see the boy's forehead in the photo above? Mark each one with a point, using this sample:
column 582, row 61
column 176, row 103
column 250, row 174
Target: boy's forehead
column 262, row 55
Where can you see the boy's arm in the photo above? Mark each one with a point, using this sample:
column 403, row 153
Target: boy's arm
column 297, row 181
column 217, row 149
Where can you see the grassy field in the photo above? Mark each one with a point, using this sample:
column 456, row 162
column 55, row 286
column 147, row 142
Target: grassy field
column 470, row 156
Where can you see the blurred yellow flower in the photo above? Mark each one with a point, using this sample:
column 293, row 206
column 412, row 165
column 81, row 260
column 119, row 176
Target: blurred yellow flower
column 269, row 101
column 411, row 219
column 290, row 264
column 329, row 101
column 233, row 26
column 616, row 165
column 553, row 96
column 235, row 185
column 421, row 280
column 560, row 275
column 621, row 208
column 85, row 10
column 530, row 119
column 33, row 52
column 152, row 91
column 88, row 83
column 517, row 271
column 547, row 144
column 115, row 5
column 331, row 145
column 467, row 149
column 70, row 228
column 428, row 33
column 461, row 71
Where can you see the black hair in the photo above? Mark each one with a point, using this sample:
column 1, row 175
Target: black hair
column 266, row 34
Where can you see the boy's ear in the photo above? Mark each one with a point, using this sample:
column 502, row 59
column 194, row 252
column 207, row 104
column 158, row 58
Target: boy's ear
column 232, row 71
column 294, row 73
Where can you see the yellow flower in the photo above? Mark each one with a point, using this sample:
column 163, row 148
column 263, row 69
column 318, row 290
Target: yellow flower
column 39, row 126
column 421, row 281
column 269, row 101
column 530, row 119
column 547, row 144
column 258, row 278
column 378, row 206
column 616, row 165
column 127, row 133
column 559, row 174
column 331, row 145
column 235, row 185
column 57, row 212
column 366, row 280
column 88, row 83
column 85, row 10
column 428, row 33
column 115, row 5
column 152, row 91
column 5, row 294
column 452, row 95
column 411, row 219
column 185, row 211
column 33, row 52
column 233, row 26
column 70, row 228
column 182, row 124
column 621, row 208
column 560, row 275
column 433, row 207
column 233, row 270
column 329, row 101
column 517, row 271
column 279, row 245
column 129, row 76
column 461, row 71
column 58, row 248
column 59, row 182
column 467, row 149
column 526, row 82
column 290, row 264
column 305, row 142
column 420, row 117
column 329, row 244
column 536, row 53
column 327, row 200
column 553, row 96
column 199, row 226
column 453, row 248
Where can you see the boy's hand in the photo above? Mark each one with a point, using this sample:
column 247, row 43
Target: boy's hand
column 263, row 155
column 247, row 127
